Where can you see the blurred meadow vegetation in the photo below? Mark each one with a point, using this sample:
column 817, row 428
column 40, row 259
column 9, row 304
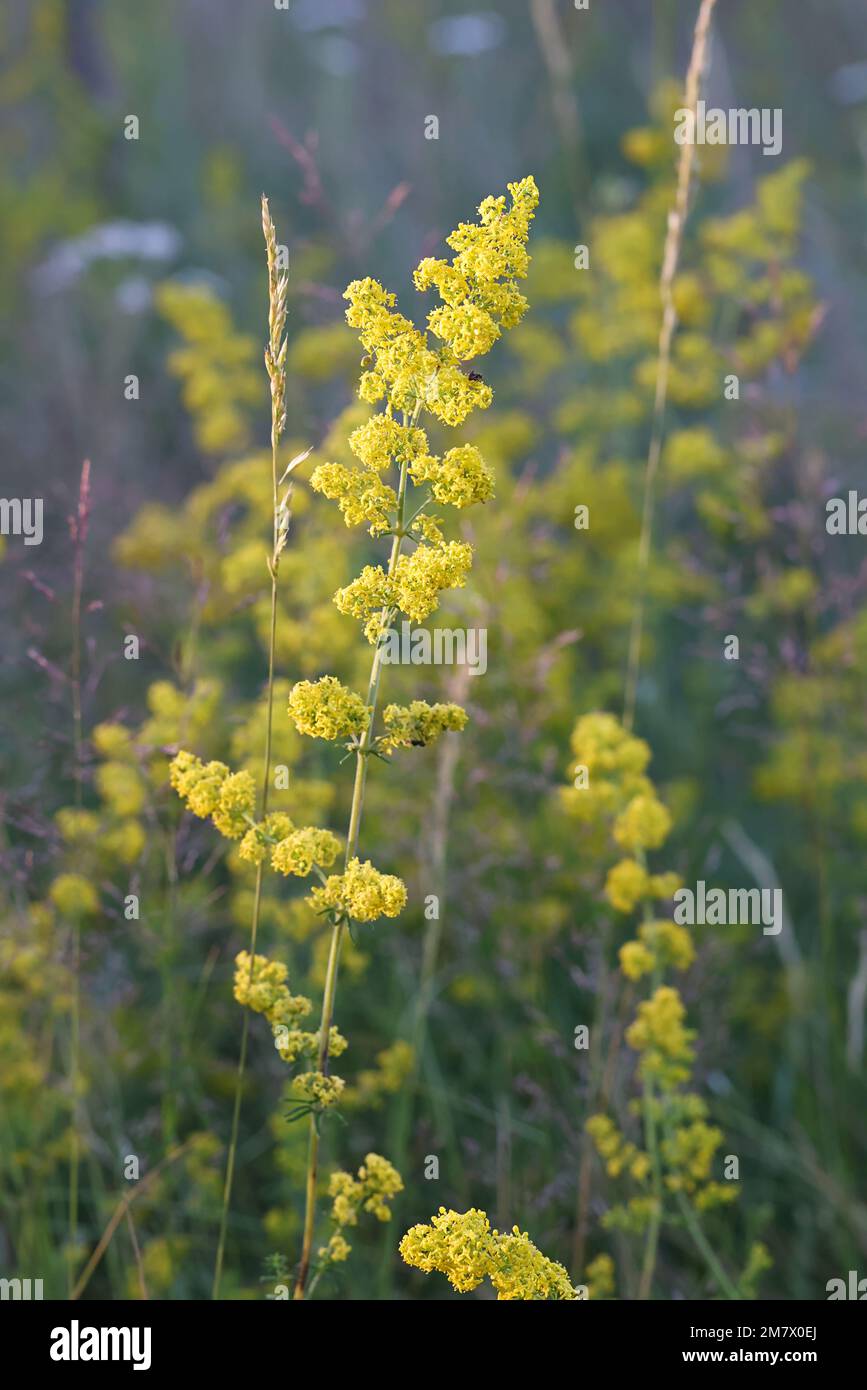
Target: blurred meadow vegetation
column 145, row 257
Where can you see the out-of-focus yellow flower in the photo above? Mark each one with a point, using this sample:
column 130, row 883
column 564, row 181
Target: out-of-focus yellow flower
column 644, row 824
column 600, row 1277
column 74, row 896
column 626, row 885
column 661, row 1037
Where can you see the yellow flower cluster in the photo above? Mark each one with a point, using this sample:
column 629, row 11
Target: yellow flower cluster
column 420, row 578
column 264, row 989
column 659, row 945
column 611, row 765
column 659, row 1034
column 112, row 740
column 362, row 893
column 403, row 367
column 618, row 1153
column 361, row 496
column 462, row 1246
column 264, row 836
column 299, row 851
column 616, row 797
column 216, row 366
column 121, row 787
column 336, row 1251
column 210, row 789
column 74, row 896
column 414, row 588
column 418, row 724
column 316, row 1089
column 689, row 1153
column 326, row 709
column 478, row 289
column 628, row 883
column 113, row 835
column 644, row 824
column 405, row 371
column 480, row 300
column 600, row 1277
column 600, row 741
column 458, row 479
column 521, row 1272
column 377, row 1182
column 292, row 1043
column 382, row 441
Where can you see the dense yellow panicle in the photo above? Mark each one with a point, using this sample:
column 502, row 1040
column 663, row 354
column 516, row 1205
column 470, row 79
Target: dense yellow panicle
column 361, row 893
column 414, row 588
column 459, row 479
column 462, row 1246
column 326, row 709
column 302, row 849
column 382, row 441
column 419, row 724
column 481, row 299
column 636, row 960
column 361, row 497
column 408, row 376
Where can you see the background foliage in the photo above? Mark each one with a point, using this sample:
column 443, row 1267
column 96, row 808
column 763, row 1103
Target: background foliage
column 145, row 257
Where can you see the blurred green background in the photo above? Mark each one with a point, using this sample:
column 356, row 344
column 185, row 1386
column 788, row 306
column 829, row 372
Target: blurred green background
column 145, row 257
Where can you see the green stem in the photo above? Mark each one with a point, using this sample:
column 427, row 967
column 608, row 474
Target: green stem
column 651, row 1244
column 74, row 1156
column 703, row 1245
column 670, row 261
column 339, row 928
column 236, row 1108
column 80, row 531
column 257, row 896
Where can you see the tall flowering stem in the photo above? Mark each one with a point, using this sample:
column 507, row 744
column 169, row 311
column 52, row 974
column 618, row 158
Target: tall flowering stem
column 338, row 929
column 275, row 362
column 620, row 812
column 670, row 262
column 78, row 532
column 480, row 299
